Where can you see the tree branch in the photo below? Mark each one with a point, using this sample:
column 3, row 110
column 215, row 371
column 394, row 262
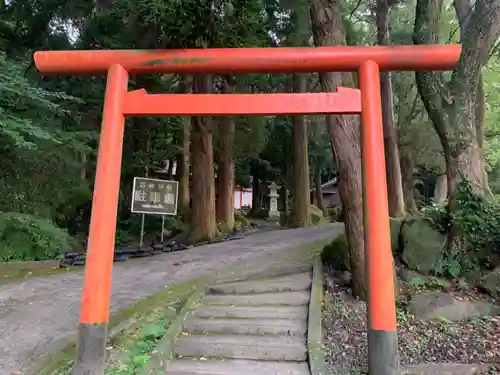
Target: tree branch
column 431, row 85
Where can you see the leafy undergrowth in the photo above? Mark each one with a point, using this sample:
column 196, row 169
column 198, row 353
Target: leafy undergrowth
column 471, row 342
column 130, row 351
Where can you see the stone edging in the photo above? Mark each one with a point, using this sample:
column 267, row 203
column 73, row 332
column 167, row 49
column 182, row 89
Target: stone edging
column 164, row 352
column 315, row 350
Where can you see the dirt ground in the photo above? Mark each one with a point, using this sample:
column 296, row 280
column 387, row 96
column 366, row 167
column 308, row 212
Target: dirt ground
column 476, row 341
column 40, row 314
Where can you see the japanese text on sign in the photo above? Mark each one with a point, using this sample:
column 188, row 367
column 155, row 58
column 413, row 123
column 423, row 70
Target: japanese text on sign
column 152, row 196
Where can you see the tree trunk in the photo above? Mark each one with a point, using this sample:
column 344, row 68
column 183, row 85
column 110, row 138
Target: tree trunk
column 452, row 106
column 183, row 168
column 393, row 168
column 257, row 197
column 319, row 190
column 441, row 188
column 225, row 176
column 301, row 190
column 203, row 223
column 184, row 163
column 343, row 130
column 407, row 167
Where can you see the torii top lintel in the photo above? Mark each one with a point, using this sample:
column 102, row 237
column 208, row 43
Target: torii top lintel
column 248, row 60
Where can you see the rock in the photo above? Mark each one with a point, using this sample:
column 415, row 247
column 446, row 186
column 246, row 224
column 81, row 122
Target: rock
column 409, row 275
column 336, row 279
column 422, row 245
column 415, row 278
column 336, row 254
column 491, row 283
column 158, row 246
column 316, row 214
column 240, row 218
column 438, row 305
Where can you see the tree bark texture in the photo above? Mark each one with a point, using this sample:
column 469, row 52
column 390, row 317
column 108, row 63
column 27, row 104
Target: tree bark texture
column 225, row 175
column 257, row 197
column 183, row 167
column 344, row 133
column 301, row 189
column 407, row 167
column 452, row 106
column 441, row 188
column 203, row 223
column 318, row 191
column 393, row 168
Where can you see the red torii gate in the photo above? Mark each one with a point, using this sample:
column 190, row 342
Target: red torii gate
column 119, row 102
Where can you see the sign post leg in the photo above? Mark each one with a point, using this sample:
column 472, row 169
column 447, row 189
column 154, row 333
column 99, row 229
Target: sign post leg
column 143, row 218
column 382, row 338
column 94, row 316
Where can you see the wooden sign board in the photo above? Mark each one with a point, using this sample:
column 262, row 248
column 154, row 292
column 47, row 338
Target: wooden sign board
column 154, row 197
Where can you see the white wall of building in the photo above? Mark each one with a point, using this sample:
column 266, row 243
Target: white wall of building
column 242, row 198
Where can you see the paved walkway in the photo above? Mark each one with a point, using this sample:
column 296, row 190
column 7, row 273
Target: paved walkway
column 247, row 328
column 39, row 315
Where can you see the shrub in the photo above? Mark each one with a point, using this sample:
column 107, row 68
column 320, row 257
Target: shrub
column 476, row 222
column 26, row 237
column 336, row 254
column 437, row 214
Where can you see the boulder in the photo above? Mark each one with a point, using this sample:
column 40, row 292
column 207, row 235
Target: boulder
column 422, row 245
column 417, row 279
column 240, row 218
column 491, row 283
column 439, row 305
column 316, row 214
column 336, row 254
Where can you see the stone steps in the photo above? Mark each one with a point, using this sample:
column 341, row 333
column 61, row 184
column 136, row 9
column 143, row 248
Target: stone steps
column 236, row 367
column 254, row 327
column 286, row 327
column 267, row 348
column 252, row 312
column 286, row 298
column 291, row 283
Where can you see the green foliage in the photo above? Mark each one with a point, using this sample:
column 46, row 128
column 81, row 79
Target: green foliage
column 137, row 344
column 478, row 220
column 26, row 237
column 475, row 227
column 26, row 112
column 438, row 215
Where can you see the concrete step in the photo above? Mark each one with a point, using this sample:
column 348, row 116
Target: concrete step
column 236, row 367
column 286, row 298
column 283, row 327
column 253, row 312
column 289, row 283
column 274, row 348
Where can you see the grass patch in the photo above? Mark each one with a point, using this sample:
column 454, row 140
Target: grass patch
column 11, row 275
column 131, row 350
column 20, row 270
column 132, row 316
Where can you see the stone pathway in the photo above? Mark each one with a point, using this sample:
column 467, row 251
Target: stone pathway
column 247, row 328
column 39, row 315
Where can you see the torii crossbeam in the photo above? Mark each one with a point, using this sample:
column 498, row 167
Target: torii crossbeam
column 119, row 102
